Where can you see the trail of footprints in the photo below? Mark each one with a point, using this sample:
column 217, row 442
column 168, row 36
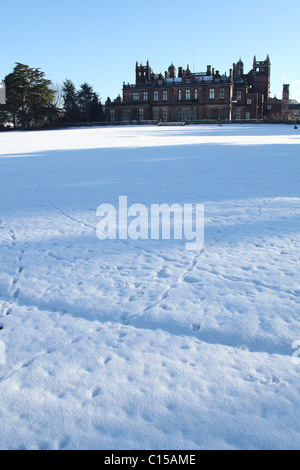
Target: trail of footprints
column 14, row 291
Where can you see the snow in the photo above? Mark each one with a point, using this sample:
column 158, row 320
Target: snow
column 124, row 344
column 173, row 80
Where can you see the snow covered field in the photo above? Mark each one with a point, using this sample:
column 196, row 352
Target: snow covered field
column 127, row 344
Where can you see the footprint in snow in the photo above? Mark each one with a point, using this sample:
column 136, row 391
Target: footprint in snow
column 163, row 273
column 107, row 360
column 196, row 327
column 97, row 392
column 63, row 443
column 16, row 294
column 191, row 280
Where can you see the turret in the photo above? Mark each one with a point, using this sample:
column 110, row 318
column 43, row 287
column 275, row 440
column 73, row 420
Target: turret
column 261, row 76
column 285, row 99
column 143, row 73
column 239, row 68
column 172, row 71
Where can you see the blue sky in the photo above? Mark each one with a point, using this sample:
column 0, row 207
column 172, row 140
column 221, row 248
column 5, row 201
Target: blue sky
column 100, row 41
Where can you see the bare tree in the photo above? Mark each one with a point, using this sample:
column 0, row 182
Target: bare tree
column 58, row 100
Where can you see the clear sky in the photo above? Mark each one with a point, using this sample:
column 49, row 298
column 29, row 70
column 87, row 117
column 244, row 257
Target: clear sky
column 100, row 41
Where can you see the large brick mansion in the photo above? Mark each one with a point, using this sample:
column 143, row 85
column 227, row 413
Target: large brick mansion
column 186, row 96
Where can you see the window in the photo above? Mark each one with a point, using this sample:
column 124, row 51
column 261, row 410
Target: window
column 165, row 114
column 249, row 101
column 155, row 96
column 165, row 95
column 141, row 114
column 248, row 116
column 136, row 96
column 156, row 114
column 211, row 114
column 269, row 107
column 238, row 113
column 187, row 94
column 222, row 94
column 222, row 111
column 145, row 96
column 126, row 115
column 179, row 95
column 186, row 114
column 211, row 93
column 112, row 115
column 196, row 94
column 187, row 81
column 239, row 95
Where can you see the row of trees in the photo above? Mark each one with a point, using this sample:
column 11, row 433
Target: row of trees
column 32, row 100
column 83, row 105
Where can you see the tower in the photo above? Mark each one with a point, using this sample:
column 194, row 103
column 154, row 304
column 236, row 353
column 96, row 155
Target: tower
column 261, row 76
column 143, row 73
column 172, row 71
column 239, row 68
column 285, row 99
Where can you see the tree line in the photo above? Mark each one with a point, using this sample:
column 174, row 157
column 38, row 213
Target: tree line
column 33, row 101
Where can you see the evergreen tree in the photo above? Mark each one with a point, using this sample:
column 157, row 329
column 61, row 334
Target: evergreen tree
column 85, row 97
column 83, row 105
column 96, row 111
column 29, row 97
column 90, row 107
column 70, row 102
